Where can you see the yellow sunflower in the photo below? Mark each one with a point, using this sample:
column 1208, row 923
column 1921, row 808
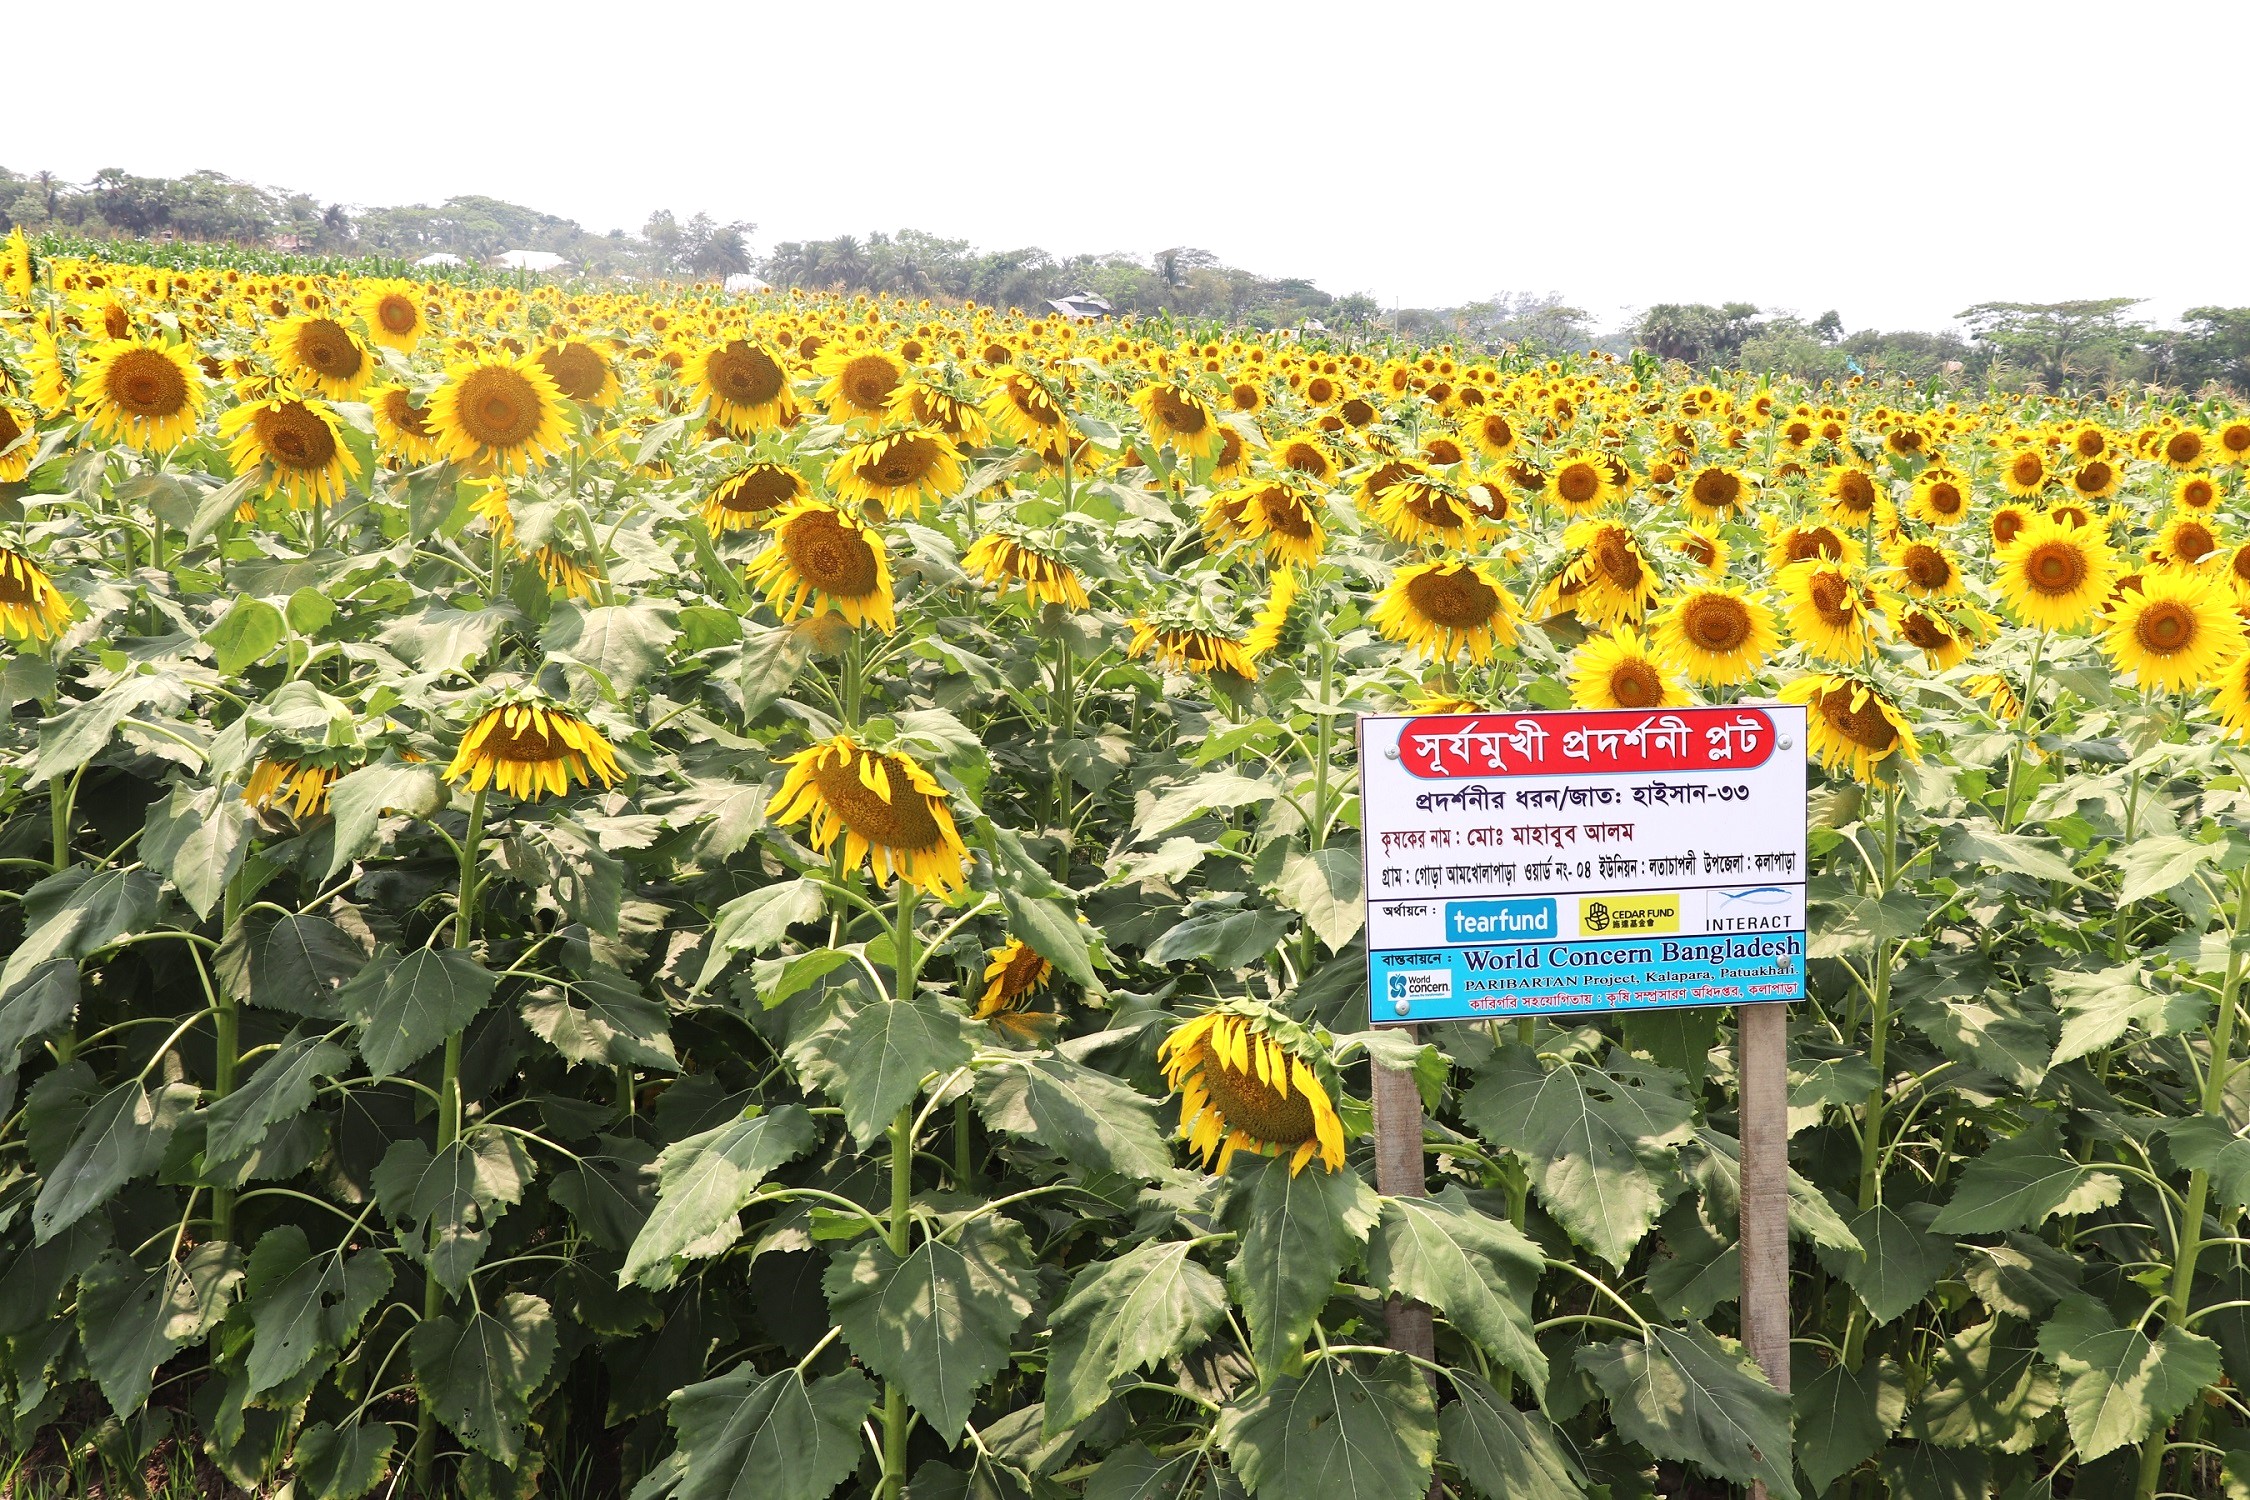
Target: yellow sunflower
column 1249, row 1080
column 298, row 443
column 1940, row 497
column 1945, row 633
column 1270, row 627
column 1922, row 569
column 1717, row 636
column 579, row 372
column 823, row 557
column 898, row 471
column 2232, row 701
column 2095, row 479
column 141, row 392
column 1830, row 610
column 302, row 788
column 1704, row 549
column 19, row 442
column 1006, row 561
column 1492, row 434
column 1012, row 979
column 889, row 812
column 2187, row 541
column 1179, row 417
column 1425, row 510
column 1284, row 521
column 921, row 404
column 1619, row 671
column 320, row 355
column 563, row 570
column 1579, row 483
column 402, row 429
column 745, row 385
column 1191, row 649
column 1026, row 410
column 499, row 414
column 2024, row 473
column 1614, row 584
column 532, row 748
column 31, row 607
column 2195, row 492
column 394, row 314
column 1307, row 454
column 1715, row 493
column 1443, row 609
column 752, row 495
column 1850, row 493
column 1851, row 726
column 2055, row 576
column 2185, row 449
column 2174, row 633
column 860, row 383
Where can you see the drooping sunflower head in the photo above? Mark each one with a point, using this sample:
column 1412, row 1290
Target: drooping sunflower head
column 299, row 445
column 2053, row 575
column 1620, row 671
column 319, row 354
column 899, row 471
column 1945, row 632
column 498, row 414
column 1179, row 417
column 31, row 607
column 1443, row 609
column 402, row 429
column 1717, row 636
column 752, row 495
column 1252, row 1080
column 821, row 560
column 1275, row 627
column 563, row 569
column 141, row 392
column 1423, row 509
column 1851, row 725
column 2232, row 700
column 579, row 371
column 1009, row 561
column 532, row 748
column 2175, row 632
column 1026, row 409
column 1013, row 978
column 297, row 785
column 744, row 384
column 888, row 810
column 1193, row 648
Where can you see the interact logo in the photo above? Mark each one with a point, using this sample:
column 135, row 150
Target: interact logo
column 1608, row 914
column 1499, row 921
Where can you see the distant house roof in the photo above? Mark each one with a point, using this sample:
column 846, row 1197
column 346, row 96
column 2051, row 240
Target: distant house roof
column 1081, row 305
column 530, row 260
column 742, row 281
column 441, row 259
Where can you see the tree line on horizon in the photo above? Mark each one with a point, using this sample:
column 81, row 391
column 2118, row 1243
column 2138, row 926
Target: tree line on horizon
column 2092, row 344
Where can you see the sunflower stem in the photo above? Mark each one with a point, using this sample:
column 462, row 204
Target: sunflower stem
column 898, row 1229
column 1879, row 1022
column 227, row 1043
column 2023, row 722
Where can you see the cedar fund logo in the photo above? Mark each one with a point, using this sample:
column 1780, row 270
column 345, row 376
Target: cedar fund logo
column 1607, row 914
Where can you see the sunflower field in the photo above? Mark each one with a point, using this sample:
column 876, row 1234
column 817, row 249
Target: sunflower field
column 629, row 892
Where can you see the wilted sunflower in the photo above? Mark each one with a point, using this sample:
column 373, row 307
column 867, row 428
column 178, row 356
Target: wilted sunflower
column 1444, row 609
column 744, row 383
column 1192, row 649
column 1717, row 636
column 1007, row 561
column 394, row 314
column 300, row 445
column 860, row 382
column 575, row 576
column 2055, row 576
column 579, row 372
column 1579, row 483
column 31, row 607
column 821, row 556
column 320, row 355
column 888, row 811
column 2174, row 633
column 1716, row 494
column 279, row 783
column 1179, row 417
column 402, row 429
column 751, row 495
column 1250, row 1080
column 1922, row 570
column 1013, row 978
column 141, row 392
column 498, row 414
column 1851, row 725
column 1940, row 497
column 1024, row 409
column 529, row 749
column 1619, row 671
column 19, row 442
column 899, row 471
column 1831, row 610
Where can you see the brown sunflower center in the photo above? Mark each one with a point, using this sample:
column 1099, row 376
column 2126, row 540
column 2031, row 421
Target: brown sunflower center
column 577, row 371
column 2005, row 525
column 499, row 407
column 1716, row 622
column 1357, row 411
column 1923, row 631
column 1022, row 974
column 2027, row 469
column 397, row 313
column 1304, row 458
column 2165, row 628
column 904, row 461
column 904, row 822
column 869, row 380
column 1453, row 598
column 2192, row 541
column 1866, row 725
column 1831, row 595
column 2055, row 568
column 831, row 555
column 2093, row 478
column 1927, row 567
column 1854, row 492
column 10, row 430
column 1284, row 513
column 1620, row 563
column 743, row 375
column 1635, row 683
column 1497, row 431
column 325, row 346
column 1578, row 483
column 1716, row 489
column 1174, row 413
column 145, row 383
column 16, row 581
column 1442, row 451
column 2198, row 493
column 1944, row 497
column 1276, row 1117
column 1810, row 542
column 293, row 437
column 2183, row 447
column 404, row 414
column 1698, row 550
column 524, row 743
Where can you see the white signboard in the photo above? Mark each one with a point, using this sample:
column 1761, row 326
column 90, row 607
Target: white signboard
column 1542, row 863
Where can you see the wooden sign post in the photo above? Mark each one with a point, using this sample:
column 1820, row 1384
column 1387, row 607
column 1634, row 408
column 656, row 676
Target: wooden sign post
column 1567, row 863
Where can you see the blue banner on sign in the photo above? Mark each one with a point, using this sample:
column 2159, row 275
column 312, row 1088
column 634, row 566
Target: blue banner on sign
column 1520, row 978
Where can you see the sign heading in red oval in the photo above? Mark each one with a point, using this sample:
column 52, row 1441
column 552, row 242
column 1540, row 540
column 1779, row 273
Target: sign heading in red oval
column 1545, row 744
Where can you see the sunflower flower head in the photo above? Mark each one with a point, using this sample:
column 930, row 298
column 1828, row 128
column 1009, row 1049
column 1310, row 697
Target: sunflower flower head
column 1011, row 561
column 498, row 414
column 1717, row 636
column 2054, row 575
column 1013, row 978
column 752, row 495
column 31, row 607
column 532, row 748
column 888, row 811
column 141, row 392
column 1851, row 725
column 2174, row 632
column 1252, row 1080
column 820, row 561
column 1620, row 671
column 300, row 786
column 297, row 443
column 898, row 471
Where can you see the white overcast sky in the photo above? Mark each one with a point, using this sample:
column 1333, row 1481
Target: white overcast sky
column 1897, row 161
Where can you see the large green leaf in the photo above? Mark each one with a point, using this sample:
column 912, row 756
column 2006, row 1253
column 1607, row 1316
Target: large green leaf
column 1899, row 1259
column 2207, row 1143
column 1686, row 1394
column 620, row 646
column 132, row 1320
column 289, row 961
column 1125, row 1314
column 1336, row 1433
column 1134, row 1473
column 747, row 1436
column 1481, row 1272
column 358, row 799
column 198, row 837
column 2151, row 866
column 1160, row 812
column 76, row 914
column 303, row 1301
column 1226, row 939
column 2022, row 1182
column 1081, row 1114
column 601, row 1018
column 756, row 922
column 443, row 1206
column 939, row 1320
column 343, row 1463
column 120, row 1137
column 1985, row 1390
column 2100, row 1007
column 1299, row 1229
column 1843, row 1416
column 2118, row 1384
column 875, row 1062
column 41, row 1001
column 247, row 631
column 1923, row 1471
column 1507, row 1453
column 1600, row 1143
column 405, row 1006
column 704, row 1181
column 477, row 1374
column 1323, row 887
column 1052, row 929
column 282, row 1086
